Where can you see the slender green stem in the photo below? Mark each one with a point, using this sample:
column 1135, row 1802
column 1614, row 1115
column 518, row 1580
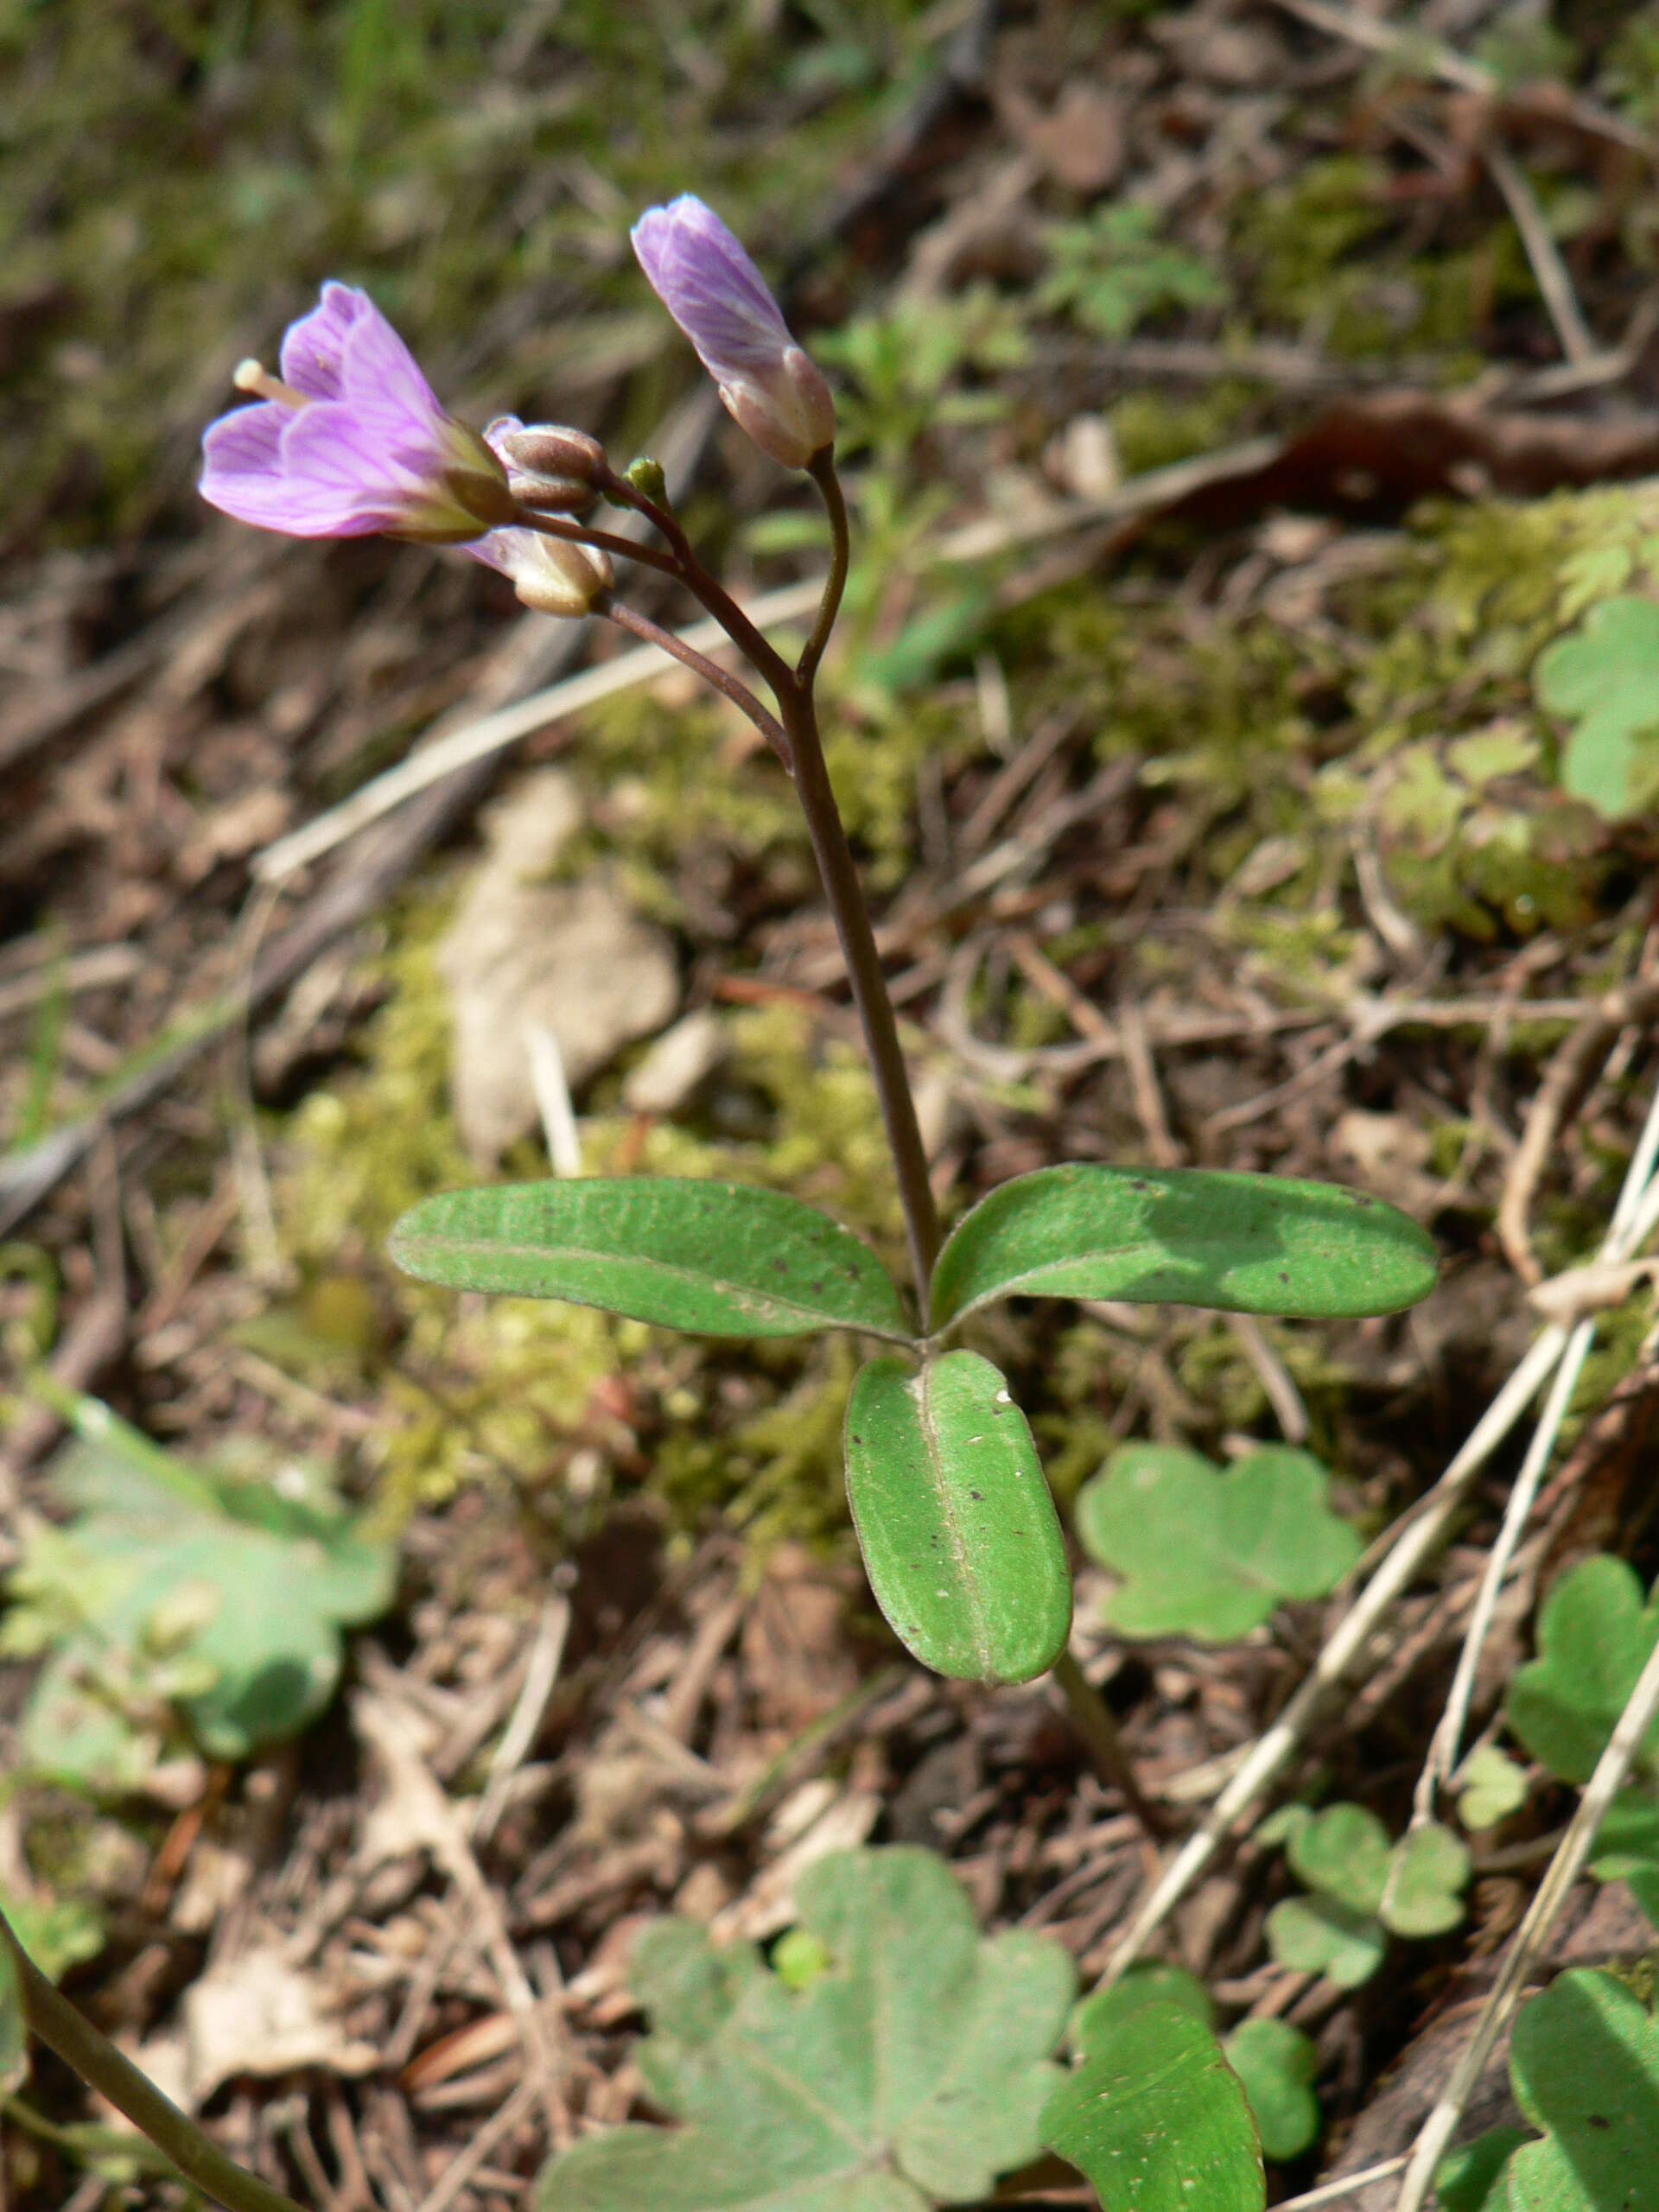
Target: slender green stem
column 731, row 687
column 821, row 470
column 712, row 595
column 839, row 872
column 1091, row 1717
column 95, row 2058
column 792, row 689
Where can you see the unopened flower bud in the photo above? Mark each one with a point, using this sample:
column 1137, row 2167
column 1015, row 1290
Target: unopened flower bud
column 793, row 416
column 549, row 574
column 548, row 466
column 646, row 477
column 719, row 299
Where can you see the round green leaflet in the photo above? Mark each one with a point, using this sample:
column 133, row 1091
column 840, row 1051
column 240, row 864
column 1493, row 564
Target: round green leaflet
column 960, row 1537
column 723, row 1259
column 1250, row 1243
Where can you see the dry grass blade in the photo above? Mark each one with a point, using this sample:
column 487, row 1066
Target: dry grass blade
column 1529, row 1939
column 1417, row 1539
column 1631, row 1222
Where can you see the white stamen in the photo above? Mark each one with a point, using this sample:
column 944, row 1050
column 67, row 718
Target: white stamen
column 253, row 376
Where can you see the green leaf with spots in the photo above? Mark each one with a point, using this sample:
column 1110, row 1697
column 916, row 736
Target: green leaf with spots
column 1585, row 2064
column 1605, row 678
column 960, row 1537
column 1277, row 2064
column 1156, row 1984
column 1595, row 1635
column 1316, row 1935
column 1191, row 1237
column 1156, row 2118
column 1208, row 1553
column 721, row 1259
column 911, row 2071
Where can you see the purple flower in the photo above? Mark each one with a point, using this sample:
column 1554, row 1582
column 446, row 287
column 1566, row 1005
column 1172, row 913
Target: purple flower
column 719, row 299
column 351, row 440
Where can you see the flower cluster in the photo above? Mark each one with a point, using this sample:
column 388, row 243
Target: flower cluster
column 350, row 439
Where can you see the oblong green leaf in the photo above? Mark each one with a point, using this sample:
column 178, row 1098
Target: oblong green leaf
column 1191, row 1236
column 960, row 1537
column 723, row 1259
column 1157, row 2120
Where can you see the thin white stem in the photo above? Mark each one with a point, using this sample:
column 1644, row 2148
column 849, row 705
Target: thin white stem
column 1634, row 1212
column 1419, row 1535
column 1549, row 271
column 1331, row 2192
column 1447, row 1739
column 1640, row 1710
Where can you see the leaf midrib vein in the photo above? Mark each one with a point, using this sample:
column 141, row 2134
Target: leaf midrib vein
column 742, row 1294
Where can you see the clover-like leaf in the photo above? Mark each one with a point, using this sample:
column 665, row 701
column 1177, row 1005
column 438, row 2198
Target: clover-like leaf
column 723, row 1259
column 1627, row 1846
column 1277, row 2064
column 1315, row 1935
column 1344, row 1852
column 1490, row 1786
column 1428, row 1872
column 960, row 1537
column 1190, row 1236
column 173, row 1586
column 1156, row 2118
column 911, row 2071
column 1475, row 2177
column 1595, row 1635
column 1607, row 677
column 1206, row 1554
column 1585, row 2064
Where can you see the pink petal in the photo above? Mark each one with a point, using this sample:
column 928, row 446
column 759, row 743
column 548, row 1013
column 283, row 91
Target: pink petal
column 314, row 349
column 345, row 467
column 710, row 287
column 380, row 372
column 244, row 476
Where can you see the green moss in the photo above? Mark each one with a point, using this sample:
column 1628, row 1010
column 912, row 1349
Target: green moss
column 1427, row 743
column 1152, row 430
column 1621, row 1332
column 1330, row 250
column 777, row 1472
column 1295, row 235
column 344, row 1185
column 510, row 1390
